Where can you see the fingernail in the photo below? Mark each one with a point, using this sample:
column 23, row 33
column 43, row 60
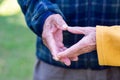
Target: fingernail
column 67, row 63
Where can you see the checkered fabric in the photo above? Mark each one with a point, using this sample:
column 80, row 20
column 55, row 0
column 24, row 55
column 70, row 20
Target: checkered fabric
column 82, row 13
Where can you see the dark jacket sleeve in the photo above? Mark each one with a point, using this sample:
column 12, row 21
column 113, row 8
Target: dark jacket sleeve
column 36, row 12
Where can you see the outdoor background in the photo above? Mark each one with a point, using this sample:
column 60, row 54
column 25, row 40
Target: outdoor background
column 17, row 43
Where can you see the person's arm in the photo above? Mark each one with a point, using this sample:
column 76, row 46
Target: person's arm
column 105, row 39
column 108, row 45
column 36, row 12
column 45, row 19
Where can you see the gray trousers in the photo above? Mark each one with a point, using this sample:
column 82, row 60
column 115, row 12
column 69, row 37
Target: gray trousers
column 44, row 71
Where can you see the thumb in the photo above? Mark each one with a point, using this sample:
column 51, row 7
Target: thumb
column 76, row 30
column 75, row 49
column 50, row 43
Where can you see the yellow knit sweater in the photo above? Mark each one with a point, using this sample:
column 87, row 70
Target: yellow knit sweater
column 108, row 45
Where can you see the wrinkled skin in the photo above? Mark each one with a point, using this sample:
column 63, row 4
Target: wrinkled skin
column 52, row 37
column 86, row 44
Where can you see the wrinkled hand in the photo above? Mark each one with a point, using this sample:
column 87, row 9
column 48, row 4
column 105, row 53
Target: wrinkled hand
column 53, row 37
column 86, row 44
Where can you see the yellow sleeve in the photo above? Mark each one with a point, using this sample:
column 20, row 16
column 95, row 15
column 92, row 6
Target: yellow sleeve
column 108, row 45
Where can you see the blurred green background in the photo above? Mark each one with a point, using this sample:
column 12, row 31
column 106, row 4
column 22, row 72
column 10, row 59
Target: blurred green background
column 17, row 43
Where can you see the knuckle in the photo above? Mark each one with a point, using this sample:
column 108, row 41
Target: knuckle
column 86, row 43
column 43, row 36
column 57, row 15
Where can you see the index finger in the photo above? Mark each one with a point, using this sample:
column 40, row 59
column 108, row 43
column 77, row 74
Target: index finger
column 74, row 50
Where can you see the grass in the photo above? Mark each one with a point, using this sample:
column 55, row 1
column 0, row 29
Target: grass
column 17, row 48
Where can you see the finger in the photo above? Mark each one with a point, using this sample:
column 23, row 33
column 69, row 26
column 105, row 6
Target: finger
column 71, row 58
column 59, row 22
column 55, row 58
column 64, row 48
column 81, row 47
column 61, row 49
column 76, row 30
column 74, row 58
column 52, row 46
column 58, row 35
column 66, row 61
column 65, row 26
column 70, row 52
column 74, row 50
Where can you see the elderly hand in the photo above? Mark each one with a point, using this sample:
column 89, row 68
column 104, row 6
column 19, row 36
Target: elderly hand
column 86, row 44
column 53, row 37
